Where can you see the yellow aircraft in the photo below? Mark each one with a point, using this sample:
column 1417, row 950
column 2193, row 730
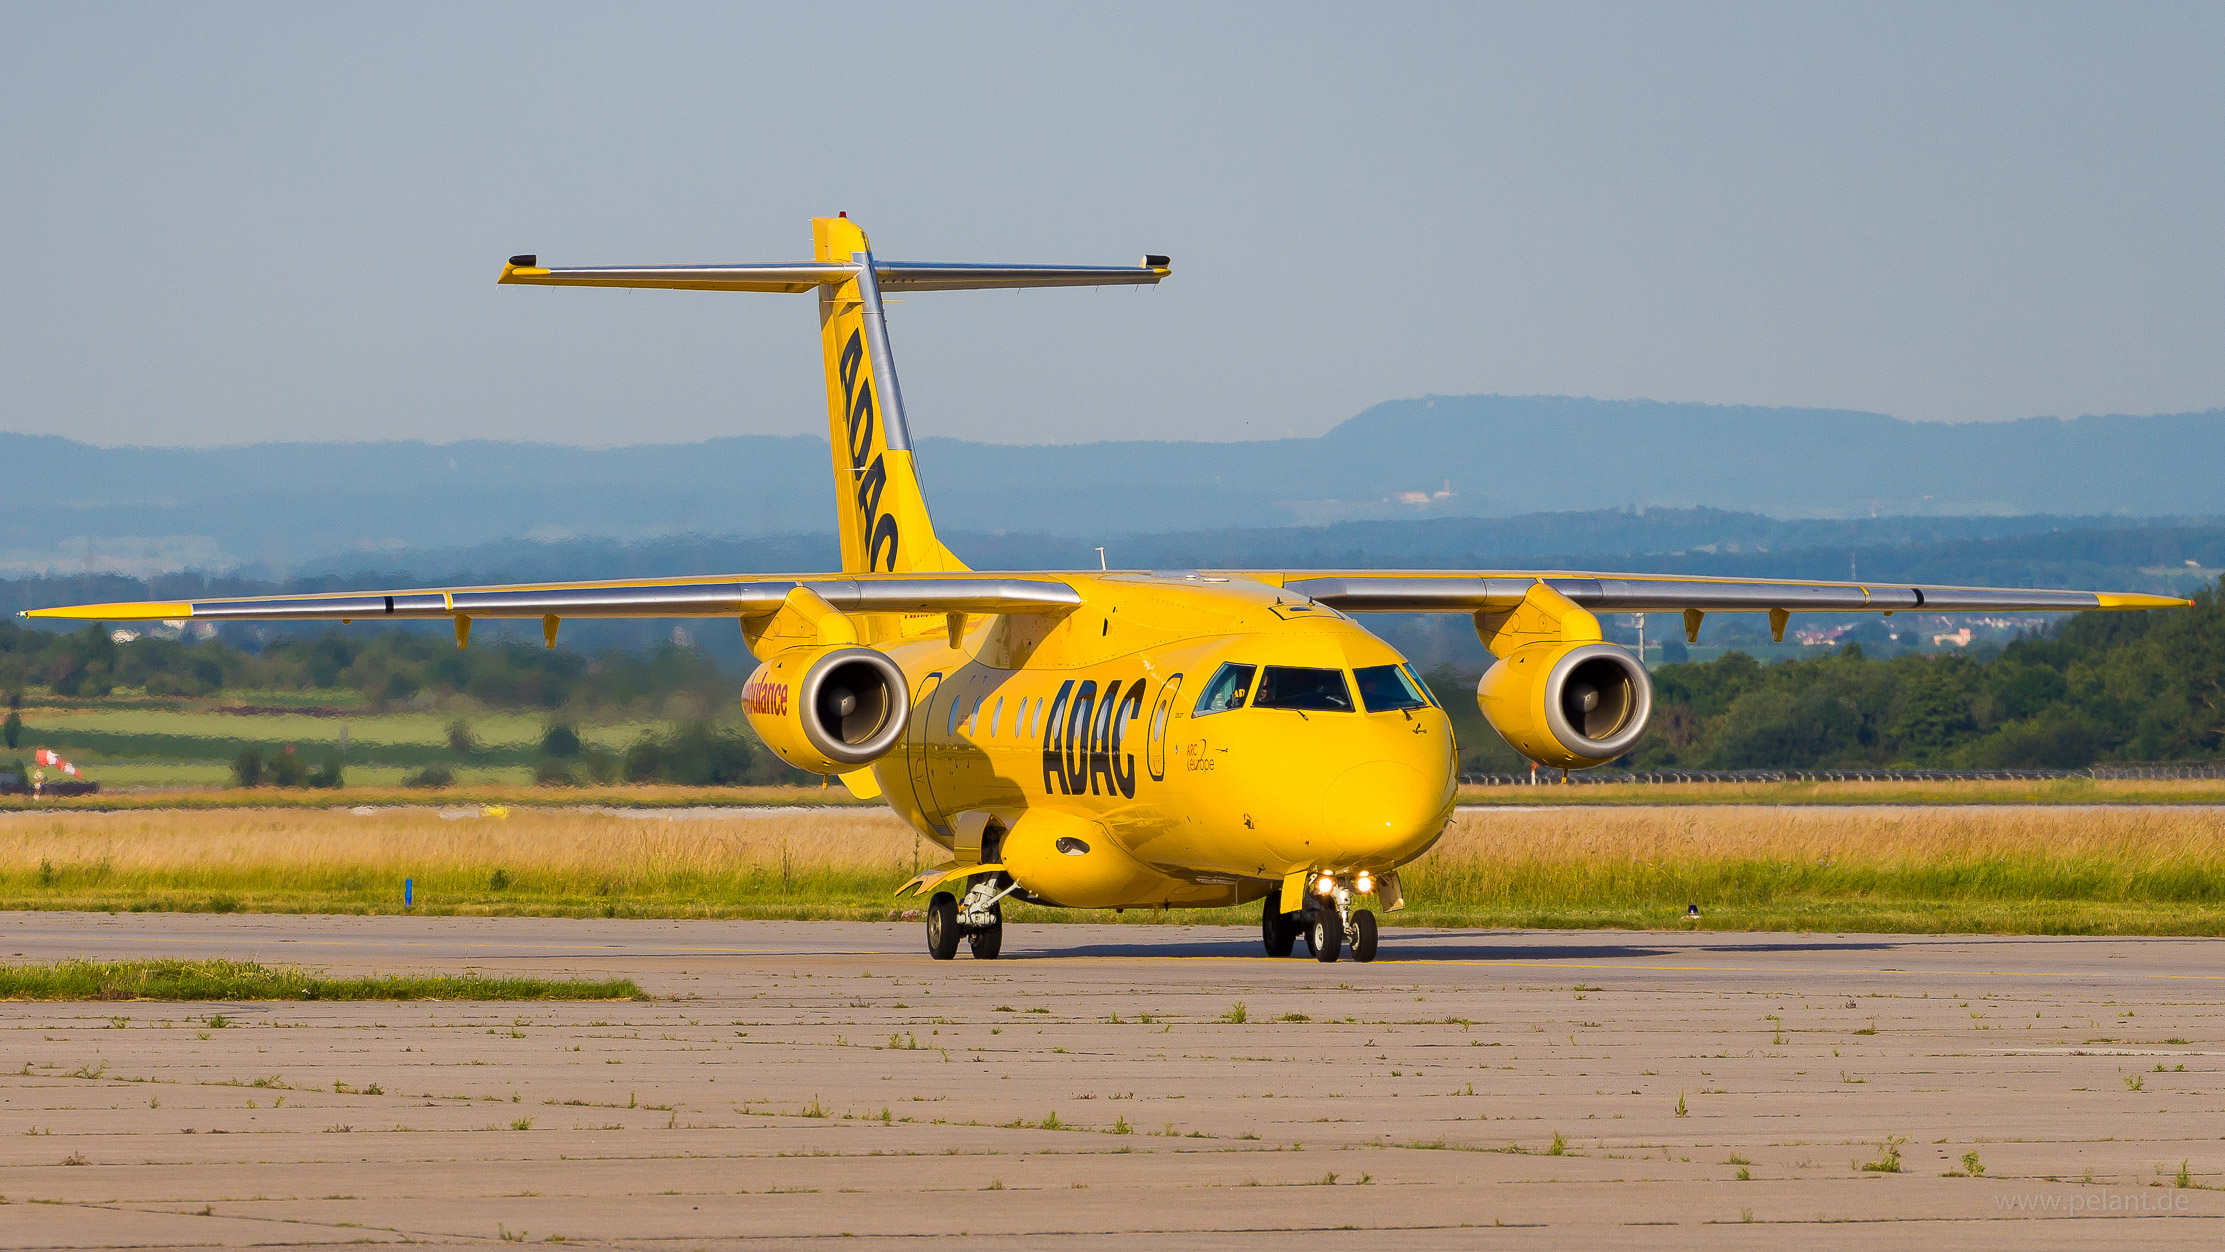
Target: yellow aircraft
column 1116, row 739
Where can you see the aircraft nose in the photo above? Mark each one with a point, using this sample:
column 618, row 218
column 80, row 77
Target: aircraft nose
column 1385, row 809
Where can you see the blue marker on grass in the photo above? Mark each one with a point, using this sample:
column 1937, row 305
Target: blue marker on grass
column 409, row 891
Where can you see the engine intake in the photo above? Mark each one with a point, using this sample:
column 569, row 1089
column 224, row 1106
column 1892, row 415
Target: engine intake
column 1568, row 705
column 828, row 710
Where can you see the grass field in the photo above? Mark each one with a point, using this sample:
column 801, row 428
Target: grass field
column 371, row 786
column 245, row 980
column 145, row 745
column 2071, row 869
column 466, row 792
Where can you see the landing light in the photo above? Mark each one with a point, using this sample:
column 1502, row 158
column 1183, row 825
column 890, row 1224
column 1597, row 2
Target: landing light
column 1364, row 883
column 1325, row 885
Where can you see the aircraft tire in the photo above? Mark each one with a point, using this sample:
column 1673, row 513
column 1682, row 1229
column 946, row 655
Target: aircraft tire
column 985, row 944
column 1363, row 936
column 1328, row 935
column 1278, row 930
column 942, row 926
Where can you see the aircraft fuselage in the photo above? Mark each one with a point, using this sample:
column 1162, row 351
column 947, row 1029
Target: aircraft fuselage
column 1108, row 715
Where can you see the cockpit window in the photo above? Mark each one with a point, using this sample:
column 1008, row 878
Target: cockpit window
column 1290, row 687
column 1227, row 689
column 1421, row 686
column 1387, row 689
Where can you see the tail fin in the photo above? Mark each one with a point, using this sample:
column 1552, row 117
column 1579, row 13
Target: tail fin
column 882, row 512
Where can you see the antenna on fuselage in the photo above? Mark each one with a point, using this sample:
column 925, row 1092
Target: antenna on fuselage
column 1101, row 559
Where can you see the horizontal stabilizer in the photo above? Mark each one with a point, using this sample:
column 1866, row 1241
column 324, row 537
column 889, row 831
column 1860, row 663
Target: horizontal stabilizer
column 801, row 276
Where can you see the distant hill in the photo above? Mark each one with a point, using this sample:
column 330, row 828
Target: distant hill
column 275, row 508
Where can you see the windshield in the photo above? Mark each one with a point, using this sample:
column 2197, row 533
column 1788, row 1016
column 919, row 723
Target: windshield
column 1226, row 691
column 1290, row 687
column 1387, row 689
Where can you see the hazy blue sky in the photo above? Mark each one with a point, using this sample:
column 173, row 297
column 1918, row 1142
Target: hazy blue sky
column 224, row 223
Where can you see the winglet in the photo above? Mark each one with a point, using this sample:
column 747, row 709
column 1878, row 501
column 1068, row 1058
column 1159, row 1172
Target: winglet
column 524, row 265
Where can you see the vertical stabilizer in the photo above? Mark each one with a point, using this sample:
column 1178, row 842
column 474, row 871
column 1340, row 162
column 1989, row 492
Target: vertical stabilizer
column 881, row 513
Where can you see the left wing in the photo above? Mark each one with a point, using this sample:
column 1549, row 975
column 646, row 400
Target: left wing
column 734, row 596
column 1473, row 591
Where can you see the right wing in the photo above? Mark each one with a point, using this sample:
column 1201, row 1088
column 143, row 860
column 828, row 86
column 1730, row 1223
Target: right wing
column 1458, row 591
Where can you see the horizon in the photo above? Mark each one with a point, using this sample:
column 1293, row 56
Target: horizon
column 926, row 435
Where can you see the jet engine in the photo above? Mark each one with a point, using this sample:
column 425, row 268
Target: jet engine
column 1568, row 705
column 828, row 710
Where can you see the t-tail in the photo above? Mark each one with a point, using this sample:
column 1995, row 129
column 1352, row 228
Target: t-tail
column 880, row 509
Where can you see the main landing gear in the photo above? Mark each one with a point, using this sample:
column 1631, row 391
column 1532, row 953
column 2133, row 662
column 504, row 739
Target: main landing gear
column 979, row 919
column 1328, row 923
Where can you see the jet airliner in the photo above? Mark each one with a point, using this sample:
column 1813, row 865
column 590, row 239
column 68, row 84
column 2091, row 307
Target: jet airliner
column 1116, row 738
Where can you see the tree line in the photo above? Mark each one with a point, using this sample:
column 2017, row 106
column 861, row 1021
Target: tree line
column 389, row 668
column 2097, row 687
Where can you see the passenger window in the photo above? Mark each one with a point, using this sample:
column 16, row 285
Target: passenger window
column 1307, row 690
column 1227, row 689
column 957, row 707
column 1387, row 689
column 996, row 715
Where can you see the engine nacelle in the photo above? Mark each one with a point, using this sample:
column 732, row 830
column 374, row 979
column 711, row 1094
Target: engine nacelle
column 828, row 710
column 1568, row 705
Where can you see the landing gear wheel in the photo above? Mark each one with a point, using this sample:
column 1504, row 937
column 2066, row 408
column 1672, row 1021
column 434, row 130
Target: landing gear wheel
column 942, row 926
column 1328, row 935
column 987, row 942
column 1363, row 935
column 1278, row 930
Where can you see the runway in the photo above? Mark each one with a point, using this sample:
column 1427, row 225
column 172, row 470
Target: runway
column 797, row 1082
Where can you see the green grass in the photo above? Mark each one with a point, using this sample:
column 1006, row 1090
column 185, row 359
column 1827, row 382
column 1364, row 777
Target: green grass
column 245, row 980
column 135, row 745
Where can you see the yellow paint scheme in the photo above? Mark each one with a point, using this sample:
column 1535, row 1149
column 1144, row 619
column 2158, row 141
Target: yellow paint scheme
column 776, row 712
column 1065, row 746
column 2130, row 600
column 1512, row 695
column 881, row 514
column 1545, row 616
column 134, row 611
column 1174, row 808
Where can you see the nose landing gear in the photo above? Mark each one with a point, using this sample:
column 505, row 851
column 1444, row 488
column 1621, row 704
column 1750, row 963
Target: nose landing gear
column 1327, row 923
column 1327, row 940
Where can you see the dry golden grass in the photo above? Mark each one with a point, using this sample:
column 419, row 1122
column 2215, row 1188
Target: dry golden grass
column 2146, row 834
column 685, row 862
column 2028, row 868
column 2097, row 868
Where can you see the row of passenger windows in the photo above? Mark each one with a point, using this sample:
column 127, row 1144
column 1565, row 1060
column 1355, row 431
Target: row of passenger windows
column 1027, row 717
column 1383, row 689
